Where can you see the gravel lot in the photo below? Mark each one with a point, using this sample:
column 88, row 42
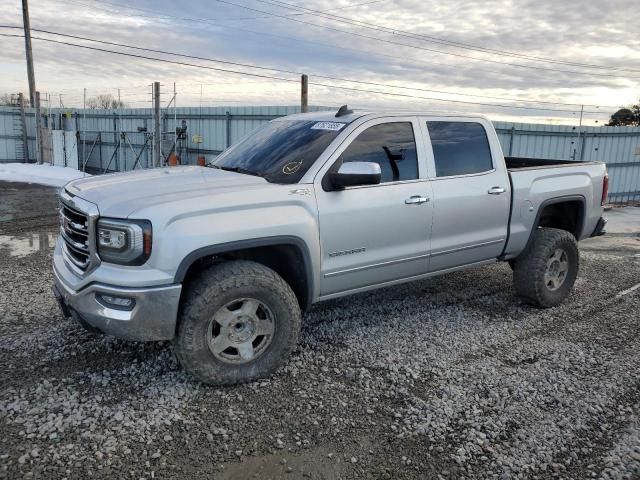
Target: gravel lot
column 446, row 378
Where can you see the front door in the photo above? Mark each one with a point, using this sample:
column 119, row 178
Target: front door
column 376, row 233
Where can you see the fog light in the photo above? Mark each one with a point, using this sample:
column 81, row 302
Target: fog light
column 120, row 303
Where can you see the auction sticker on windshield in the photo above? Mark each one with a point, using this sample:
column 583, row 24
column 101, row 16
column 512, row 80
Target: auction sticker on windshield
column 335, row 126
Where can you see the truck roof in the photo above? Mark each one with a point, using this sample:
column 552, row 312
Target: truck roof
column 330, row 115
column 325, row 116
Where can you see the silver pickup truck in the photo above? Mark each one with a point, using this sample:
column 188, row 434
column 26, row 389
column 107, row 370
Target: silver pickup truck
column 224, row 259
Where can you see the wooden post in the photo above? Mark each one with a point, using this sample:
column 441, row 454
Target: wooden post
column 23, row 119
column 304, row 93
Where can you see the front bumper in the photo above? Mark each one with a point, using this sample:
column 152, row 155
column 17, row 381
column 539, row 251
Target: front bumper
column 153, row 316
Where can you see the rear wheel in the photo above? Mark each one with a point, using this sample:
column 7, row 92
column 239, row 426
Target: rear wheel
column 544, row 274
column 239, row 322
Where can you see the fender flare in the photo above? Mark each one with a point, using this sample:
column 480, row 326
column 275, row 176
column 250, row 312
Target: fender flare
column 227, row 247
column 553, row 201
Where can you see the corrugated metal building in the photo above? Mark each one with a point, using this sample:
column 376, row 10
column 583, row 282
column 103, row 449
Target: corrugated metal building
column 118, row 140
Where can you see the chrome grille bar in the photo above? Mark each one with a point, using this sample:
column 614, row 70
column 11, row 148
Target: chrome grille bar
column 77, row 219
column 81, row 248
column 70, row 256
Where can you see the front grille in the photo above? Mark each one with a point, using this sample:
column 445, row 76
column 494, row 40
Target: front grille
column 74, row 228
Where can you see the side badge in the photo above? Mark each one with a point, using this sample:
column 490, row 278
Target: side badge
column 291, row 167
column 300, row 191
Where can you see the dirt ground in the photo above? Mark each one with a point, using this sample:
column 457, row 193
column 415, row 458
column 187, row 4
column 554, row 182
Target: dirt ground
column 451, row 377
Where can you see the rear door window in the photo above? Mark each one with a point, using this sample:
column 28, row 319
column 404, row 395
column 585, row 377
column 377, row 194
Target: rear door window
column 459, row 148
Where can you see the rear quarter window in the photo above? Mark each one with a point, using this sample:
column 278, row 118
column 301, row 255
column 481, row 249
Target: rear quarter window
column 459, row 148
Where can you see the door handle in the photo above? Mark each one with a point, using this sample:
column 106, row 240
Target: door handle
column 496, row 190
column 416, row 199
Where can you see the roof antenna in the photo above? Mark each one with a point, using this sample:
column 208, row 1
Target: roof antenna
column 343, row 110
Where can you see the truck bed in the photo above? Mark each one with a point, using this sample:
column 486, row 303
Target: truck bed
column 535, row 181
column 518, row 163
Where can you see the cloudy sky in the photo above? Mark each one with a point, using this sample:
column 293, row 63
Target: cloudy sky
column 462, row 55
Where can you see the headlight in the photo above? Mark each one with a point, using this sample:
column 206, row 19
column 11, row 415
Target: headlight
column 125, row 242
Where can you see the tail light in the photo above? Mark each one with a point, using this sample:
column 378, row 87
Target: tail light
column 605, row 189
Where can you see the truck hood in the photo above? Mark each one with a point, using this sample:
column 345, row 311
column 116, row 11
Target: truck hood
column 121, row 194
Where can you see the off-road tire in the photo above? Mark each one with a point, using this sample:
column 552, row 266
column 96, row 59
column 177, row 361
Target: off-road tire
column 530, row 267
column 214, row 288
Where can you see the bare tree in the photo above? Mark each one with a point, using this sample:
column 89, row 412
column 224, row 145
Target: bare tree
column 13, row 100
column 6, row 100
column 105, row 101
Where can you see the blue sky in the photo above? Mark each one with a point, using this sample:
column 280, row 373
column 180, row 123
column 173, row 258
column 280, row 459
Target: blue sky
column 573, row 32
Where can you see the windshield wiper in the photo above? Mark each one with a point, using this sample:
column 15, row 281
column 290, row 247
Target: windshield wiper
column 236, row 170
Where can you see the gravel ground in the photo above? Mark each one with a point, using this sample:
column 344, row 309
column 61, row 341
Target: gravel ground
column 447, row 378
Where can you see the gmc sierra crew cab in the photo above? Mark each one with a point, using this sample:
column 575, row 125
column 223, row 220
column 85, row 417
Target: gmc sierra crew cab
column 224, row 259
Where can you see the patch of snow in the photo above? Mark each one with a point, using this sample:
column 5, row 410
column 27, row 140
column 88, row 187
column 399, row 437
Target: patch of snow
column 41, row 174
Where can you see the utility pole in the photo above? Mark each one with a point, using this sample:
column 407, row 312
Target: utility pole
column 23, row 119
column 156, row 124
column 38, row 131
column 27, row 45
column 304, row 93
column 84, row 125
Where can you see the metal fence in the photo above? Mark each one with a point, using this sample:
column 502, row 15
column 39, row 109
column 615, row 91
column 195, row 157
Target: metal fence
column 120, row 140
column 618, row 147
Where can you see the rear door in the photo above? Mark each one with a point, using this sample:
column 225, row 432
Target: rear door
column 471, row 192
column 376, row 233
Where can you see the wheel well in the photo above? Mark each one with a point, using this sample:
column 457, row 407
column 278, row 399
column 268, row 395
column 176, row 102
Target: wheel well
column 286, row 260
column 566, row 215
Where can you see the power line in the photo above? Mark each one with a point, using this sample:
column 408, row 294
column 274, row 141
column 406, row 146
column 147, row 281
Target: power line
column 434, row 39
column 290, row 80
column 449, row 101
column 342, row 48
column 378, row 39
column 395, row 32
column 153, row 58
column 207, row 20
column 327, row 77
column 153, row 50
column 324, row 14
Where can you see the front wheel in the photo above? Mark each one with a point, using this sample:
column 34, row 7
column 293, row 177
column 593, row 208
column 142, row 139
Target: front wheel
column 544, row 274
column 239, row 322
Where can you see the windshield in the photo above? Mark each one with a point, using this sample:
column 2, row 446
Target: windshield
column 281, row 151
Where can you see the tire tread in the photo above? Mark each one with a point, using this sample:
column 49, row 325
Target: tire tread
column 214, row 282
column 529, row 267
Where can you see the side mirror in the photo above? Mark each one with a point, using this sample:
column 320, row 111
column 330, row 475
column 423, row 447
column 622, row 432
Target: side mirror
column 355, row 173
